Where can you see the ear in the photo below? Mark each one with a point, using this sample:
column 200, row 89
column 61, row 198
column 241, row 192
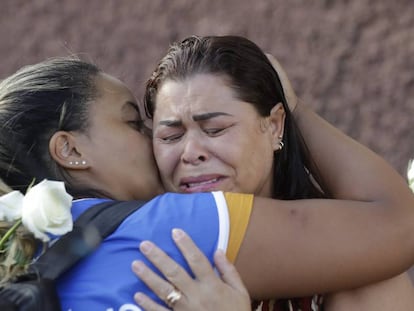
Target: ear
column 63, row 149
column 277, row 125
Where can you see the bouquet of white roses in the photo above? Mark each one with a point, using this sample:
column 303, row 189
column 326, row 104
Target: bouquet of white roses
column 43, row 210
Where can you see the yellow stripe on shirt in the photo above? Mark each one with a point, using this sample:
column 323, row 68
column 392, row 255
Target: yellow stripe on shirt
column 239, row 207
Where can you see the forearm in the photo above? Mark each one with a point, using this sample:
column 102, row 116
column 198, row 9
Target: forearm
column 347, row 168
column 303, row 247
column 393, row 294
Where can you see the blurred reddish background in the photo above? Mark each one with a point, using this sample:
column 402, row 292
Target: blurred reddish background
column 351, row 60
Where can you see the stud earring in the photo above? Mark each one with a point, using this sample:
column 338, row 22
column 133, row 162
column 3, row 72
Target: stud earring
column 83, row 162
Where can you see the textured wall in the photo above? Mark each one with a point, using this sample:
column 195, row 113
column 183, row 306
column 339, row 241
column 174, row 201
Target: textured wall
column 352, row 60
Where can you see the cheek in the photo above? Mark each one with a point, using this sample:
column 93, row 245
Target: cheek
column 137, row 147
column 254, row 156
column 165, row 157
column 125, row 142
column 262, row 160
column 144, row 150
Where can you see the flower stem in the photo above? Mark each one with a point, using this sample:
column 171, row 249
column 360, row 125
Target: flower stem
column 9, row 233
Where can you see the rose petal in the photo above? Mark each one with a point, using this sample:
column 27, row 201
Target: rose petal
column 46, row 209
column 11, row 206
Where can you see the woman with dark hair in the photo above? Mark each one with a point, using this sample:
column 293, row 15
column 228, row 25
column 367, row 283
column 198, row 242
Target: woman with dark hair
column 66, row 120
column 221, row 122
column 252, row 78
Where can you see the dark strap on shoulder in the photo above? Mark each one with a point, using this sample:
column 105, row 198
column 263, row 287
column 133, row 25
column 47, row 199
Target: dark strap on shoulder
column 94, row 225
column 107, row 216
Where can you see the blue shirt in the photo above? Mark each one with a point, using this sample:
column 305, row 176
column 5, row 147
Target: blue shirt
column 104, row 280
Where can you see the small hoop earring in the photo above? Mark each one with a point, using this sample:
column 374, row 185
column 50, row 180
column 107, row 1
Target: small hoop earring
column 281, row 144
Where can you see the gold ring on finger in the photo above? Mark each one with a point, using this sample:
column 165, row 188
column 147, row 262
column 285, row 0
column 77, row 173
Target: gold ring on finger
column 173, row 297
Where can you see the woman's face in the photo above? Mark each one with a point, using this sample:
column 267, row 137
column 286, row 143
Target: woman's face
column 206, row 139
column 118, row 154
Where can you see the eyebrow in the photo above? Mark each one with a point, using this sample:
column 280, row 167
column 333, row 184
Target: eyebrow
column 197, row 117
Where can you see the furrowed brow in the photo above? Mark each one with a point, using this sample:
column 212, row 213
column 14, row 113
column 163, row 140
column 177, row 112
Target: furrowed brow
column 210, row 115
column 171, row 123
column 197, row 118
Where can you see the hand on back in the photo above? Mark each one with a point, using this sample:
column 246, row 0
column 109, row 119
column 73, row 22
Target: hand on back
column 206, row 292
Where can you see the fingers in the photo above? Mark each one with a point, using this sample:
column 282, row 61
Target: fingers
column 209, row 292
column 147, row 303
column 157, row 284
column 228, row 272
column 167, row 266
column 197, row 261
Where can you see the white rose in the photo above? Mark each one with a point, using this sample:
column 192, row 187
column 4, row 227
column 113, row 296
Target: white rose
column 410, row 174
column 11, row 206
column 46, row 208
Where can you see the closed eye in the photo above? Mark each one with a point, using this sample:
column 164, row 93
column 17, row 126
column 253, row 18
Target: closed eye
column 140, row 126
column 171, row 138
column 214, row 131
column 218, row 129
column 137, row 124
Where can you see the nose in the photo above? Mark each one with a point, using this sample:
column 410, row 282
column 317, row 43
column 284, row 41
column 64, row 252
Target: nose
column 194, row 151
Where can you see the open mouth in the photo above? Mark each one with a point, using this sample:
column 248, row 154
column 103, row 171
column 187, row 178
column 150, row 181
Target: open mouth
column 196, row 184
column 200, row 184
